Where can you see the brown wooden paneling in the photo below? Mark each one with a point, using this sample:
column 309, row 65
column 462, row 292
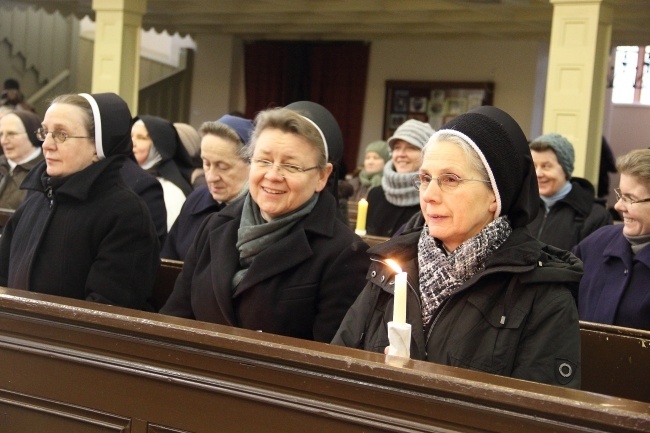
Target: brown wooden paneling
column 22, row 413
column 200, row 377
column 165, row 280
column 615, row 360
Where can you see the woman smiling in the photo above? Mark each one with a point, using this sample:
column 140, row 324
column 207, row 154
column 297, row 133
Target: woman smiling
column 277, row 260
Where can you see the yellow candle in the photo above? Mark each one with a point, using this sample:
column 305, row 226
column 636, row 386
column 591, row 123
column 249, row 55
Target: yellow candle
column 362, row 213
column 399, row 298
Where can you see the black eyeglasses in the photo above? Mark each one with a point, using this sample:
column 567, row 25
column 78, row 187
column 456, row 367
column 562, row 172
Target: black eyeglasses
column 282, row 168
column 628, row 200
column 58, row 136
column 446, row 181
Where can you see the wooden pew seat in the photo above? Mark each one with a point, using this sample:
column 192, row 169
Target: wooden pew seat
column 70, row 365
column 615, row 360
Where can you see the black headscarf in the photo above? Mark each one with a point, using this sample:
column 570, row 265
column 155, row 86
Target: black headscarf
column 112, row 120
column 332, row 133
column 505, row 148
column 31, row 122
column 176, row 164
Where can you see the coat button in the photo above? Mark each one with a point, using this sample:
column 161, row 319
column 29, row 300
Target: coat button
column 383, row 277
column 625, row 272
column 373, row 274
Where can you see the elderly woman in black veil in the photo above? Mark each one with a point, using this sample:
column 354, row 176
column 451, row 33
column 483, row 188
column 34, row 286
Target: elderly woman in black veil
column 158, row 150
column 81, row 231
column 482, row 293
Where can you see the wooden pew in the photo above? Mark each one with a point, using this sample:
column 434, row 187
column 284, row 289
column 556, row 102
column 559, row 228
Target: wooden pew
column 614, row 359
column 70, row 365
column 353, row 210
column 373, row 240
column 165, row 280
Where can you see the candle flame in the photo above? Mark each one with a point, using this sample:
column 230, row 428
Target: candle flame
column 393, row 264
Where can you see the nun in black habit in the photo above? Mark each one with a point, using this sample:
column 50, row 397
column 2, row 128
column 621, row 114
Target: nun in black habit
column 277, row 260
column 82, row 232
column 158, row 149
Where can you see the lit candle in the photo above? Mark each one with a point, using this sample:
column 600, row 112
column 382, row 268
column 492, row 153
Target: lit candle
column 399, row 332
column 399, row 298
column 362, row 213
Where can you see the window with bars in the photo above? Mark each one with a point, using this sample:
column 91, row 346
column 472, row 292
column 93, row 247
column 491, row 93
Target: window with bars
column 630, row 78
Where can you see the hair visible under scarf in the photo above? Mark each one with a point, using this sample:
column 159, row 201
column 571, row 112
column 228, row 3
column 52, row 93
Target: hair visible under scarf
column 398, row 187
column 441, row 274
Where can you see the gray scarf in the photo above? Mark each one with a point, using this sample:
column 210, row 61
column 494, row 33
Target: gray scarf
column 398, row 187
column 255, row 235
column 638, row 242
column 441, row 273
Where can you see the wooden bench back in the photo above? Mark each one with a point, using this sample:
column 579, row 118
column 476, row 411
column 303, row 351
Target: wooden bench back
column 71, row 365
column 615, row 361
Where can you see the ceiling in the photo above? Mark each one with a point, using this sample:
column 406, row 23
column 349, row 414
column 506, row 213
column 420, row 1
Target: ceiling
column 365, row 19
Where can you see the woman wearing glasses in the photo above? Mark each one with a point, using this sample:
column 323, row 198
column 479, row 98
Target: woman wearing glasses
column 81, row 232
column 277, row 260
column 615, row 287
column 482, row 293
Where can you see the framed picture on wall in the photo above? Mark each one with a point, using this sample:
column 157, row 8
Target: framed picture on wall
column 435, row 102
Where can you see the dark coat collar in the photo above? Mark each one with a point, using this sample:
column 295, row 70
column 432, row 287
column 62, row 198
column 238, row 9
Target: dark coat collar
column 77, row 185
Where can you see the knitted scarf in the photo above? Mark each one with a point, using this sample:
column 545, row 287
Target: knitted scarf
column 441, row 274
column 370, row 180
column 398, row 187
column 255, row 235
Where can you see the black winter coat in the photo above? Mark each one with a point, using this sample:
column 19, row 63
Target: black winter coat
column 89, row 238
column 198, row 206
column 571, row 219
column 150, row 190
column 525, row 285
column 385, row 219
column 301, row 286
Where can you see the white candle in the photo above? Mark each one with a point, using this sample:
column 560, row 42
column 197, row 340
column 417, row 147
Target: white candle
column 362, row 213
column 399, row 298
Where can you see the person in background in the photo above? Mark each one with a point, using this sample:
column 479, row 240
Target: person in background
column 13, row 98
column 607, row 165
column 568, row 209
column 278, row 260
column 191, row 140
column 81, row 232
column 21, row 153
column 482, row 293
column 376, row 155
column 158, row 150
column 368, row 176
column 392, row 204
column 226, row 165
column 615, row 287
